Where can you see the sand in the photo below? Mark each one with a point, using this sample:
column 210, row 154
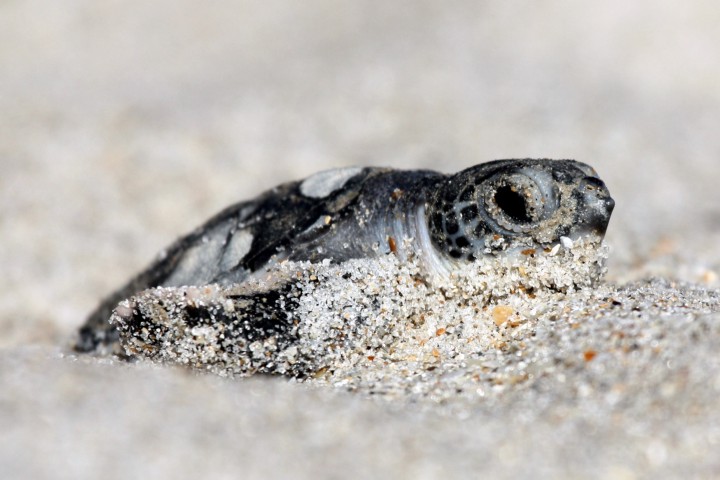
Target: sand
column 126, row 124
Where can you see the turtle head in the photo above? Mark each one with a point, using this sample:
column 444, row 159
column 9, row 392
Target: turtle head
column 506, row 204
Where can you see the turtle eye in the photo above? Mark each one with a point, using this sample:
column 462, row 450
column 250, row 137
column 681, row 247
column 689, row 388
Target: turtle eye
column 518, row 201
column 512, row 203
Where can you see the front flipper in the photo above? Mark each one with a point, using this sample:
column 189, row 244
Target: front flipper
column 227, row 330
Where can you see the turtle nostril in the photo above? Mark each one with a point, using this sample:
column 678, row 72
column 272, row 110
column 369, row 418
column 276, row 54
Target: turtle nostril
column 593, row 183
column 595, row 190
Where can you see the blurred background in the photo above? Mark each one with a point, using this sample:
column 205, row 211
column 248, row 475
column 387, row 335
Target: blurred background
column 125, row 123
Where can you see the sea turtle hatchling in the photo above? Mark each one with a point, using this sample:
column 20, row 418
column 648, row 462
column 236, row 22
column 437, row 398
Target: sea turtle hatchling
column 226, row 287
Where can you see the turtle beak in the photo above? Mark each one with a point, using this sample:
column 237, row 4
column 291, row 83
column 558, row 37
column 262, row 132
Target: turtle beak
column 595, row 205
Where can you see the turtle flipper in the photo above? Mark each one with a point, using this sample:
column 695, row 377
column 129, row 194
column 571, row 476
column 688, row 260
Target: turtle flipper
column 228, row 330
column 195, row 259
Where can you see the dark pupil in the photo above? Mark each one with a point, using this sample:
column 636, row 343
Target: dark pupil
column 513, row 204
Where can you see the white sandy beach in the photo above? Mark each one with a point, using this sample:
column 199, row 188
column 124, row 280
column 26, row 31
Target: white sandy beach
column 125, row 124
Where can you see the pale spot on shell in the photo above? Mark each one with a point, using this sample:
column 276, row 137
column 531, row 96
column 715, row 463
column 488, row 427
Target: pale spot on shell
column 324, row 183
column 239, row 246
column 198, row 263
